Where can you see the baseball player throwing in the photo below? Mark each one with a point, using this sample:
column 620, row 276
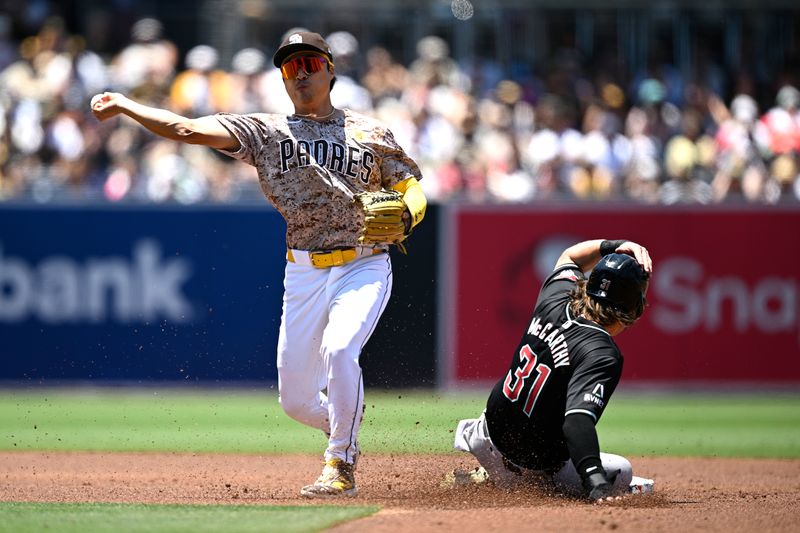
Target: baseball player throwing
column 347, row 191
column 539, row 424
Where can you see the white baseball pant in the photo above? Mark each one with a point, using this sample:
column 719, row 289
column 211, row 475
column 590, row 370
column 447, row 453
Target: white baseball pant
column 472, row 436
column 328, row 316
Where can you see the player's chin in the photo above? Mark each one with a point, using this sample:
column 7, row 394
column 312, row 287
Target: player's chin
column 303, row 95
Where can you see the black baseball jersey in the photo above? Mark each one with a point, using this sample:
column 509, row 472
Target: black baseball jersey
column 562, row 365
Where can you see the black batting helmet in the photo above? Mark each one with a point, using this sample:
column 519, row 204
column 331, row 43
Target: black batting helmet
column 619, row 282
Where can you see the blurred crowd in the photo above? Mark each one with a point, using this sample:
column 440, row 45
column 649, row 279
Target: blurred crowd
column 481, row 133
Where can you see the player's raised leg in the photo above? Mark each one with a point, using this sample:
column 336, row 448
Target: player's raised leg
column 301, row 373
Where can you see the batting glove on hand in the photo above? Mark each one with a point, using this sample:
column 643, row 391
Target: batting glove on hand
column 599, row 486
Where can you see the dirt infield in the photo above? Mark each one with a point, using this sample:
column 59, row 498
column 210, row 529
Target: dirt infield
column 705, row 494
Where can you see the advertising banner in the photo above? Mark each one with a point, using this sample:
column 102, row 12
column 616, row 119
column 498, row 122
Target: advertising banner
column 134, row 294
column 722, row 304
column 179, row 294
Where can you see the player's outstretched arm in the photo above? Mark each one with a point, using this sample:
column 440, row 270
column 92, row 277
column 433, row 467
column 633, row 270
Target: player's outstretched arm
column 586, row 254
column 204, row 130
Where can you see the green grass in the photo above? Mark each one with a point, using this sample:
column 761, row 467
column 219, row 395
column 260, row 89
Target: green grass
column 235, row 421
column 728, row 425
column 116, row 518
column 226, row 421
column 238, row 421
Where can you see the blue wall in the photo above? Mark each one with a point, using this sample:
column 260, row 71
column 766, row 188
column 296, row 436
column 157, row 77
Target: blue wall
column 183, row 294
column 140, row 294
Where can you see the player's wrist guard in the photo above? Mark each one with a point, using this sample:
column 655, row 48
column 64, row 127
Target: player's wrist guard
column 609, row 247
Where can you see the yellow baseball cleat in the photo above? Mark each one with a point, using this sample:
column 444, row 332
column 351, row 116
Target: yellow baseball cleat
column 337, row 479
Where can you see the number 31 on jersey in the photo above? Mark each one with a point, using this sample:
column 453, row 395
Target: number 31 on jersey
column 515, row 380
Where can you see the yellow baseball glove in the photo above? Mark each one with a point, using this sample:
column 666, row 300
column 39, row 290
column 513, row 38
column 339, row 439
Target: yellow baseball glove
column 383, row 218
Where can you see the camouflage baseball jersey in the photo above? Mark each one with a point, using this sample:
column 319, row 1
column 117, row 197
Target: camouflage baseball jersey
column 310, row 170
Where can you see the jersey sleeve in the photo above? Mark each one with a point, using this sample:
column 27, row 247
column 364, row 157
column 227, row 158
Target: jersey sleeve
column 560, row 281
column 593, row 382
column 396, row 165
column 250, row 130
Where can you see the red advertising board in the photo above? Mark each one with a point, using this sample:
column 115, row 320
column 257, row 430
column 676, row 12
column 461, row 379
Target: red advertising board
column 724, row 301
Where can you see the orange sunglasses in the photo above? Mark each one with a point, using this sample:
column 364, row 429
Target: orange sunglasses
column 309, row 63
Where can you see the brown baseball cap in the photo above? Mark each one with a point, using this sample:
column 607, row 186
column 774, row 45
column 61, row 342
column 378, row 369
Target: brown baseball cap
column 300, row 41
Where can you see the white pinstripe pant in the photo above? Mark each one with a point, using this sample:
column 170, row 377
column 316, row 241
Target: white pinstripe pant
column 328, row 316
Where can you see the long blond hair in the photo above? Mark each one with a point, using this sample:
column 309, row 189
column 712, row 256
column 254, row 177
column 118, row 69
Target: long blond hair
column 581, row 304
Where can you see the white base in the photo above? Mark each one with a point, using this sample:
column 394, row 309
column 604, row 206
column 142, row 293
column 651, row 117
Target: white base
column 640, row 485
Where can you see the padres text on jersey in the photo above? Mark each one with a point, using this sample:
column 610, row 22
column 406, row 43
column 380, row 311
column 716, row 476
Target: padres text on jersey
column 310, row 170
